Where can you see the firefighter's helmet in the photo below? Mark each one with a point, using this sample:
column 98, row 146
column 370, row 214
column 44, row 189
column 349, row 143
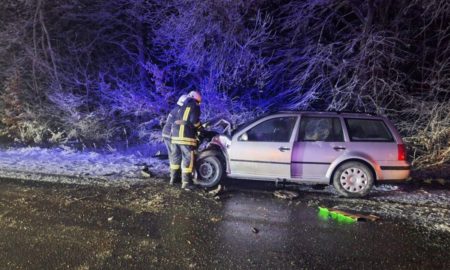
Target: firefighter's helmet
column 181, row 100
column 195, row 95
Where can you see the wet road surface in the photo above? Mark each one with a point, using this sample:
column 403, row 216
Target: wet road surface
column 53, row 226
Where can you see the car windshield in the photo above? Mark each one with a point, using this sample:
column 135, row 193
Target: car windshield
column 245, row 124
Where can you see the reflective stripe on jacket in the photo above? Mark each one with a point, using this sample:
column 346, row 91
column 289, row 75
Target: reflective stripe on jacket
column 186, row 123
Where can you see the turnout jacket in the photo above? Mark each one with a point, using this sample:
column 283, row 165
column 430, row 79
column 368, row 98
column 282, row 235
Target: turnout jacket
column 186, row 123
column 170, row 119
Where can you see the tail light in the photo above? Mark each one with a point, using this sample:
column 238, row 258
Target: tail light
column 401, row 152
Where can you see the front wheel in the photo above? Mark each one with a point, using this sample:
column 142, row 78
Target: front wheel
column 353, row 179
column 209, row 171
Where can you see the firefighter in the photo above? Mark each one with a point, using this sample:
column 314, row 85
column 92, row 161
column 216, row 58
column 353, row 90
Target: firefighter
column 184, row 139
column 166, row 133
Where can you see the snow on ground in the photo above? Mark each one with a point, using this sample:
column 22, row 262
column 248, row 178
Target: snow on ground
column 69, row 162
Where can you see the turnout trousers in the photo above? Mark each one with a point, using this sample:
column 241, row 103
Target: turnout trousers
column 182, row 156
column 174, row 167
column 168, row 145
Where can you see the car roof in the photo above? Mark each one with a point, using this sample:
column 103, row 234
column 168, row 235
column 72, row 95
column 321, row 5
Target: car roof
column 321, row 113
column 331, row 113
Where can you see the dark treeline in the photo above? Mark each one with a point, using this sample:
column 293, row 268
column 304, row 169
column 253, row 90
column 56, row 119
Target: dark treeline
column 97, row 71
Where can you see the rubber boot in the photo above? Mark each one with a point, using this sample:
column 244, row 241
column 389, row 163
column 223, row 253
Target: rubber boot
column 174, row 177
column 186, row 182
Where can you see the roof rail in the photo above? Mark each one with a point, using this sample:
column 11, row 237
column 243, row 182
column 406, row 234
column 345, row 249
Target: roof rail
column 369, row 113
column 332, row 111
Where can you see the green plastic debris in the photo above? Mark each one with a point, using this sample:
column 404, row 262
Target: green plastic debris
column 345, row 219
column 325, row 214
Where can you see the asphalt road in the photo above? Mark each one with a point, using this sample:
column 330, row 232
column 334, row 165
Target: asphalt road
column 154, row 226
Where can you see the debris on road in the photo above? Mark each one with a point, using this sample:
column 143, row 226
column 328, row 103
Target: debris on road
column 286, row 194
column 145, row 171
column 215, row 219
column 255, row 230
column 221, row 197
column 216, row 191
column 358, row 217
column 216, row 194
column 344, row 216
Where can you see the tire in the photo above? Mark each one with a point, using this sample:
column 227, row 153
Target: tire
column 209, row 171
column 353, row 180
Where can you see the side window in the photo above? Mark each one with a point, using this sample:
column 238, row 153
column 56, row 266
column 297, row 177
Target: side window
column 368, row 130
column 273, row 130
column 327, row 129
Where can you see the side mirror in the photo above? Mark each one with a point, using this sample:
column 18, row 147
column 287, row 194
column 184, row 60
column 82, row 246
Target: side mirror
column 244, row 137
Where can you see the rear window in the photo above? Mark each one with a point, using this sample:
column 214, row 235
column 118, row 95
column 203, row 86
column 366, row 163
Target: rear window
column 371, row 130
column 327, row 129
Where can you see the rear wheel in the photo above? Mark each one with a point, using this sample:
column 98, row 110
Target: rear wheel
column 353, row 179
column 209, row 171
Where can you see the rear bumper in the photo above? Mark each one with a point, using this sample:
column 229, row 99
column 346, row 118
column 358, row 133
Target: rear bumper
column 392, row 182
column 395, row 173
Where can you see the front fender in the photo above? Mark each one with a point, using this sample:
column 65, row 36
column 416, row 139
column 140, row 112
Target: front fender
column 208, row 152
column 215, row 150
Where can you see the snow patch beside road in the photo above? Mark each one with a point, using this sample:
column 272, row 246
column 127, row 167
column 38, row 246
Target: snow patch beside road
column 402, row 193
column 68, row 162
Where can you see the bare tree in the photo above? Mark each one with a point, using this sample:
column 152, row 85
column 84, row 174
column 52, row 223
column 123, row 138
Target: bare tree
column 108, row 71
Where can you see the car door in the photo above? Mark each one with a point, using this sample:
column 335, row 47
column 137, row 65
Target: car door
column 264, row 149
column 320, row 141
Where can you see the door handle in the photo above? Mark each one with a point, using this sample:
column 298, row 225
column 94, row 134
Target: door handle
column 337, row 148
column 282, row 148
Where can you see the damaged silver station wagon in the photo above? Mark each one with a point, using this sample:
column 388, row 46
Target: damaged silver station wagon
column 352, row 151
